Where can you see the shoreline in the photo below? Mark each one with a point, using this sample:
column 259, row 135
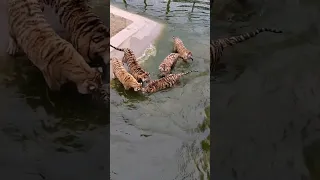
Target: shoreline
column 137, row 35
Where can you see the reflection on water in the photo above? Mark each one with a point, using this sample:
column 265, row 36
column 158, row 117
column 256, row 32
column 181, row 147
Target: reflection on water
column 167, row 133
column 266, row 122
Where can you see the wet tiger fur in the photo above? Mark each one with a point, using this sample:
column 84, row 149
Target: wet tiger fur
column 133, row 66
column 56, row 58
column 87, row 33
column 217, row 46
column 179, row 47
column 163, row 83
column 127, row 80
column 168, row 63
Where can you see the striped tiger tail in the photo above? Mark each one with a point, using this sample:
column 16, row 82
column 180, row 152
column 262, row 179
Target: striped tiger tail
column 116, row 48
column 230, row 41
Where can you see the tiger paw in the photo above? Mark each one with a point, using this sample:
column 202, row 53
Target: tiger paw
column 12, row 47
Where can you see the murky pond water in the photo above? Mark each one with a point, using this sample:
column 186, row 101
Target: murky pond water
column 266, row 121
column 166, row 135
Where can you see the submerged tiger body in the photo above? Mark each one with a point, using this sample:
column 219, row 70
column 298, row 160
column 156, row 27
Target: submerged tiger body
column 56, row 58
column 133, row 66
column 217, row 46
column 179, row 47
column 163, row 83
column 88, row 34
column 127, row 80
column 168, row 63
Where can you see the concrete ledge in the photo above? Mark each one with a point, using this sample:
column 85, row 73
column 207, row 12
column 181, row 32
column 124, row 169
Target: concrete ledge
column 137, row 36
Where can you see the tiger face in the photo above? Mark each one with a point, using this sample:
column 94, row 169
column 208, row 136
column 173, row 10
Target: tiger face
column 189, row 55
column 90, row 85
column 99, row 44
column 138, row 87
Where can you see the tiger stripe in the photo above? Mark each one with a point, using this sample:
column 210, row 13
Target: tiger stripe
column 127, row 80
column 217, row 46
column 134, row 67
column 88, row 34
column 165, row 82
column 53, row 56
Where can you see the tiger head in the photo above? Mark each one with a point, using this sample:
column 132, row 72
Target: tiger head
column 189, row 55
column 99, row 43
column 146, row 77
column 91, row 84
column 138, row 87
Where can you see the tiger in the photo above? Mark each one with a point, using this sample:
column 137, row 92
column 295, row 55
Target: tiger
column 133, row 66
column 179, row 47
column 127, row 80
column 87, row 33
column 55, row 57
column 168, row 63
column 217, row 46
column 165, row 82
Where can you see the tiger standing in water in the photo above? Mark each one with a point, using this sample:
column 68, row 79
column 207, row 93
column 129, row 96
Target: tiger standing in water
column 88, row 34
column 168, row 63
column 179, row 47
column 53, row 56
column 134, row 67
column 217, row 46
column 127, row 80
column 163, row 83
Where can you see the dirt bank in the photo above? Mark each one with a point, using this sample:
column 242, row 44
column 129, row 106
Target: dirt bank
column 118, row 23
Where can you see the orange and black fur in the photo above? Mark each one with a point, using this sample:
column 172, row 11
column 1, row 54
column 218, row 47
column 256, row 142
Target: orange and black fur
column 179, row 47
column 127, row 80
column 53, row 56
column 87, row 33
column 168, row 63
column 134, row 67
column 217, row 46
column 163, row 83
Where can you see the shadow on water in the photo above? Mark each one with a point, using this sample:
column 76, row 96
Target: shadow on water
column 266, row 121
column 167, row 132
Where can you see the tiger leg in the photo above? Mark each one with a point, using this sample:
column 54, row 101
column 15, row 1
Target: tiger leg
column 126, row 87
column 13, row 47
column 52, row 85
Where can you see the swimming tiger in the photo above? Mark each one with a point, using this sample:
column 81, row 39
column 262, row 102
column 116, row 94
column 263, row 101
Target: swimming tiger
column 168, row 63
column 133, row 66
column 217, row 46
column 87, row 33
column 165, row 82
column 127, row 80
column 179, row 47
column 56, row 58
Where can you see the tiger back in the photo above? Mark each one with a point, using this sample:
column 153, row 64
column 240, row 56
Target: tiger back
column 56, row 58
column 133, row 66
column 127, row 80
column 168, row 63
column 179, row 47
column 88, row 34
column 165, row 82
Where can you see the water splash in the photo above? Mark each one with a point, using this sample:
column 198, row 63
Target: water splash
column 150, row 51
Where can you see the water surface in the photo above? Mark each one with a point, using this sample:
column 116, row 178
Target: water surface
column 166, row 135
column 266, row 104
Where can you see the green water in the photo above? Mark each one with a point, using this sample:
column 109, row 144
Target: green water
column 166, row 135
